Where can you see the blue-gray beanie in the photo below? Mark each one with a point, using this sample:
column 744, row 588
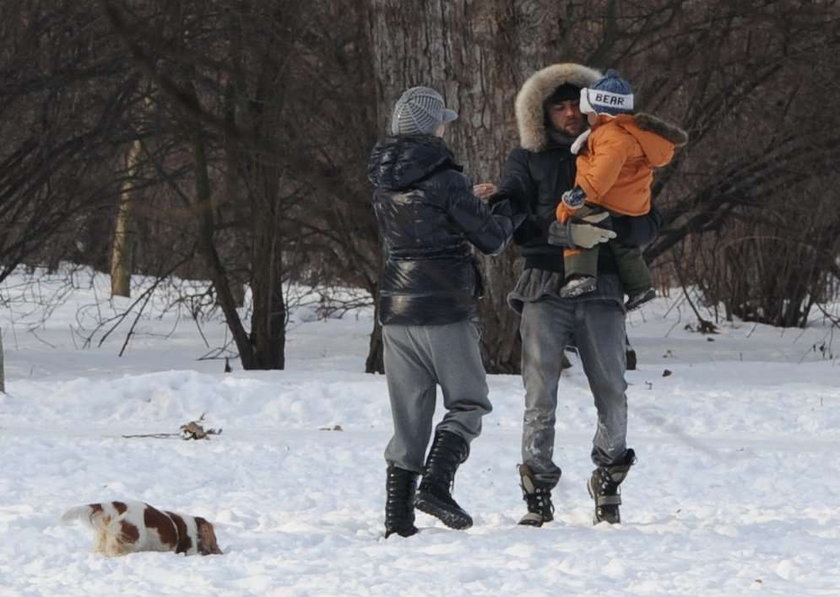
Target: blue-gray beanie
column 419, row 111
column 608, row 95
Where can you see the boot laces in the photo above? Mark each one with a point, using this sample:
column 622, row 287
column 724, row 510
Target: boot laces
column 607, row 484
column 442, row 463
column 400, row 493
column 611, row 477
column 539, row 501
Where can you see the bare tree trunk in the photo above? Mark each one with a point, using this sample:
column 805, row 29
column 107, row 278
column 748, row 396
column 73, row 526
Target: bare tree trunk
column 477, row 54
column 268, row 320
column 234, row 103
column 121, row 251
column 375, row 362
column 208, row 249
column 2, row 366
column 262, row 116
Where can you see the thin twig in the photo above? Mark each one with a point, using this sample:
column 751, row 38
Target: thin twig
column 136, row 319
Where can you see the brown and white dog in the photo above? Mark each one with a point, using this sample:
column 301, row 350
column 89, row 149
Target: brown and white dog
column 126, row 527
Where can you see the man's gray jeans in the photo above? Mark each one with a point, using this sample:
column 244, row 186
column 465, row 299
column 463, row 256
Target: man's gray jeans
column 596, row 328
column 417, row 359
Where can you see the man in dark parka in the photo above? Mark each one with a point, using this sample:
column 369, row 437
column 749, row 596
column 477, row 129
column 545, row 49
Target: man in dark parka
column 535, row 177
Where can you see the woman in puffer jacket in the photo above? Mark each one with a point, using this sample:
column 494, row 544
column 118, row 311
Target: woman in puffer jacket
column 430, row 220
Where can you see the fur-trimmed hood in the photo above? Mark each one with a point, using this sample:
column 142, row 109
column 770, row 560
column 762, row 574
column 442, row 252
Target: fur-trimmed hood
column 530, row 115
column 645, row 128
column 666, row 130
column 399, row 162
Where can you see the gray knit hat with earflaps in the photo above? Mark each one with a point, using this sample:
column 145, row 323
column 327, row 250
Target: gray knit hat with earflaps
column 419, row 111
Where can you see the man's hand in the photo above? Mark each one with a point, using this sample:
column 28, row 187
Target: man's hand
column 580, row 233
column 484, row 190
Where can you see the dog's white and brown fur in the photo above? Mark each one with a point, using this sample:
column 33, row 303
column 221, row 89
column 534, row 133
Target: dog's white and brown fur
column 126, row 527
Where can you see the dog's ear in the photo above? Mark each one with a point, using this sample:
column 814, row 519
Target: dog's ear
column 184, row 540
column 206, row 538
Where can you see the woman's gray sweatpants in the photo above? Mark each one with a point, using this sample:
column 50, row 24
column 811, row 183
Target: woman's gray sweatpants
column 596, row 328
column 417, row 359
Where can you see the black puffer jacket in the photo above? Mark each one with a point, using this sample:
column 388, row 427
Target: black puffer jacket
column 429, row 218
column 533, row 182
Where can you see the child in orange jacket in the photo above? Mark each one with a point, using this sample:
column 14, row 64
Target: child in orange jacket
column 615, row 163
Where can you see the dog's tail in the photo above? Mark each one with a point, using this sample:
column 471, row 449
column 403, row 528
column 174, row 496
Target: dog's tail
column 90, row 514
column 103, row 519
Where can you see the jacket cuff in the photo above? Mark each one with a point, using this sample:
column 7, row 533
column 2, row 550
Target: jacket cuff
column 560, row 235
column 501, row 208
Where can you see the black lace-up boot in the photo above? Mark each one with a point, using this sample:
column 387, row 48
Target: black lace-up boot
column 538, row 498
column 603, row 487
column 399, row 502
column 433, row 496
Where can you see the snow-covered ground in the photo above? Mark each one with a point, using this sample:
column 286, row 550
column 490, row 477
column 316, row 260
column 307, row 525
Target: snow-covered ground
column 737, row 488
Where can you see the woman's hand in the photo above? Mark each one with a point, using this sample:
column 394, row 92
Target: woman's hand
column 484, row 190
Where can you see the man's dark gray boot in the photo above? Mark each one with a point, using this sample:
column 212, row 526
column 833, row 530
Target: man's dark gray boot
column 399, row 502
column 448, row 451
column 603, row 488
column 538, row 498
